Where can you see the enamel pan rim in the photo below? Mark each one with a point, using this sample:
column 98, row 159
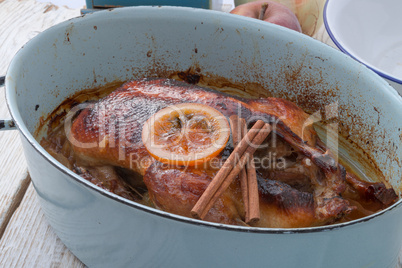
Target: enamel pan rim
column 12, row 106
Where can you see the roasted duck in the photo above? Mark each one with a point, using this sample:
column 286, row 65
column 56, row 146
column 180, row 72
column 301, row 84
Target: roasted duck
column 302, row 185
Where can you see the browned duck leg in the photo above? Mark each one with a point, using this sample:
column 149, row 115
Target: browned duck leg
column 330, row 206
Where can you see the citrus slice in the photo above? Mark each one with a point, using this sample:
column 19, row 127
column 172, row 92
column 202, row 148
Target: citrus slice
column 186, row 134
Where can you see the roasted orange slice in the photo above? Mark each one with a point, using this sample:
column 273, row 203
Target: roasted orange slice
column 186, row 134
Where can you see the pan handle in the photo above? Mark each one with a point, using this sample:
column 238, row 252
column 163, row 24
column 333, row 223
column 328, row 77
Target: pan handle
column 6, row 124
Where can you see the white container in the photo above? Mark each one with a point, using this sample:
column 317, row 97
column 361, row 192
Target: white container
column 370, row 32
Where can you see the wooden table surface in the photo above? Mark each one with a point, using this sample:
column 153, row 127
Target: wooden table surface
column 26, row 239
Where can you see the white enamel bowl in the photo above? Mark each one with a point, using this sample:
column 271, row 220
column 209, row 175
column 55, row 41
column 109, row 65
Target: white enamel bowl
column 105, row 230
column 370, row 31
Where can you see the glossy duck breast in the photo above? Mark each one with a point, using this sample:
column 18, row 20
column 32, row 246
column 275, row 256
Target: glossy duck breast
column 300, row 183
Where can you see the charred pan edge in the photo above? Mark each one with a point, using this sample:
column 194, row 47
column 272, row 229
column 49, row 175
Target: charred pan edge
column 226, row 227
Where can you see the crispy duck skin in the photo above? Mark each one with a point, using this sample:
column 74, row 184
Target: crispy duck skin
column 111, row 128
column 109, row 132
column 292, row 208
column 177, row 189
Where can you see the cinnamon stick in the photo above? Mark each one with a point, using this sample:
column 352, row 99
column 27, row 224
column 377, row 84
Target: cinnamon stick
column 231, row 168
column 239, row 129
column 225, row 170
column 247, row 176
column 248, row 180
column 237, row 168
column 253, row 214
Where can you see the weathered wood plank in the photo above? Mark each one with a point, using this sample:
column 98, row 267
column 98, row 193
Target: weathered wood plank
column 25, row 237
column 30, row 242
column 20, row 21
column 13, row 174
